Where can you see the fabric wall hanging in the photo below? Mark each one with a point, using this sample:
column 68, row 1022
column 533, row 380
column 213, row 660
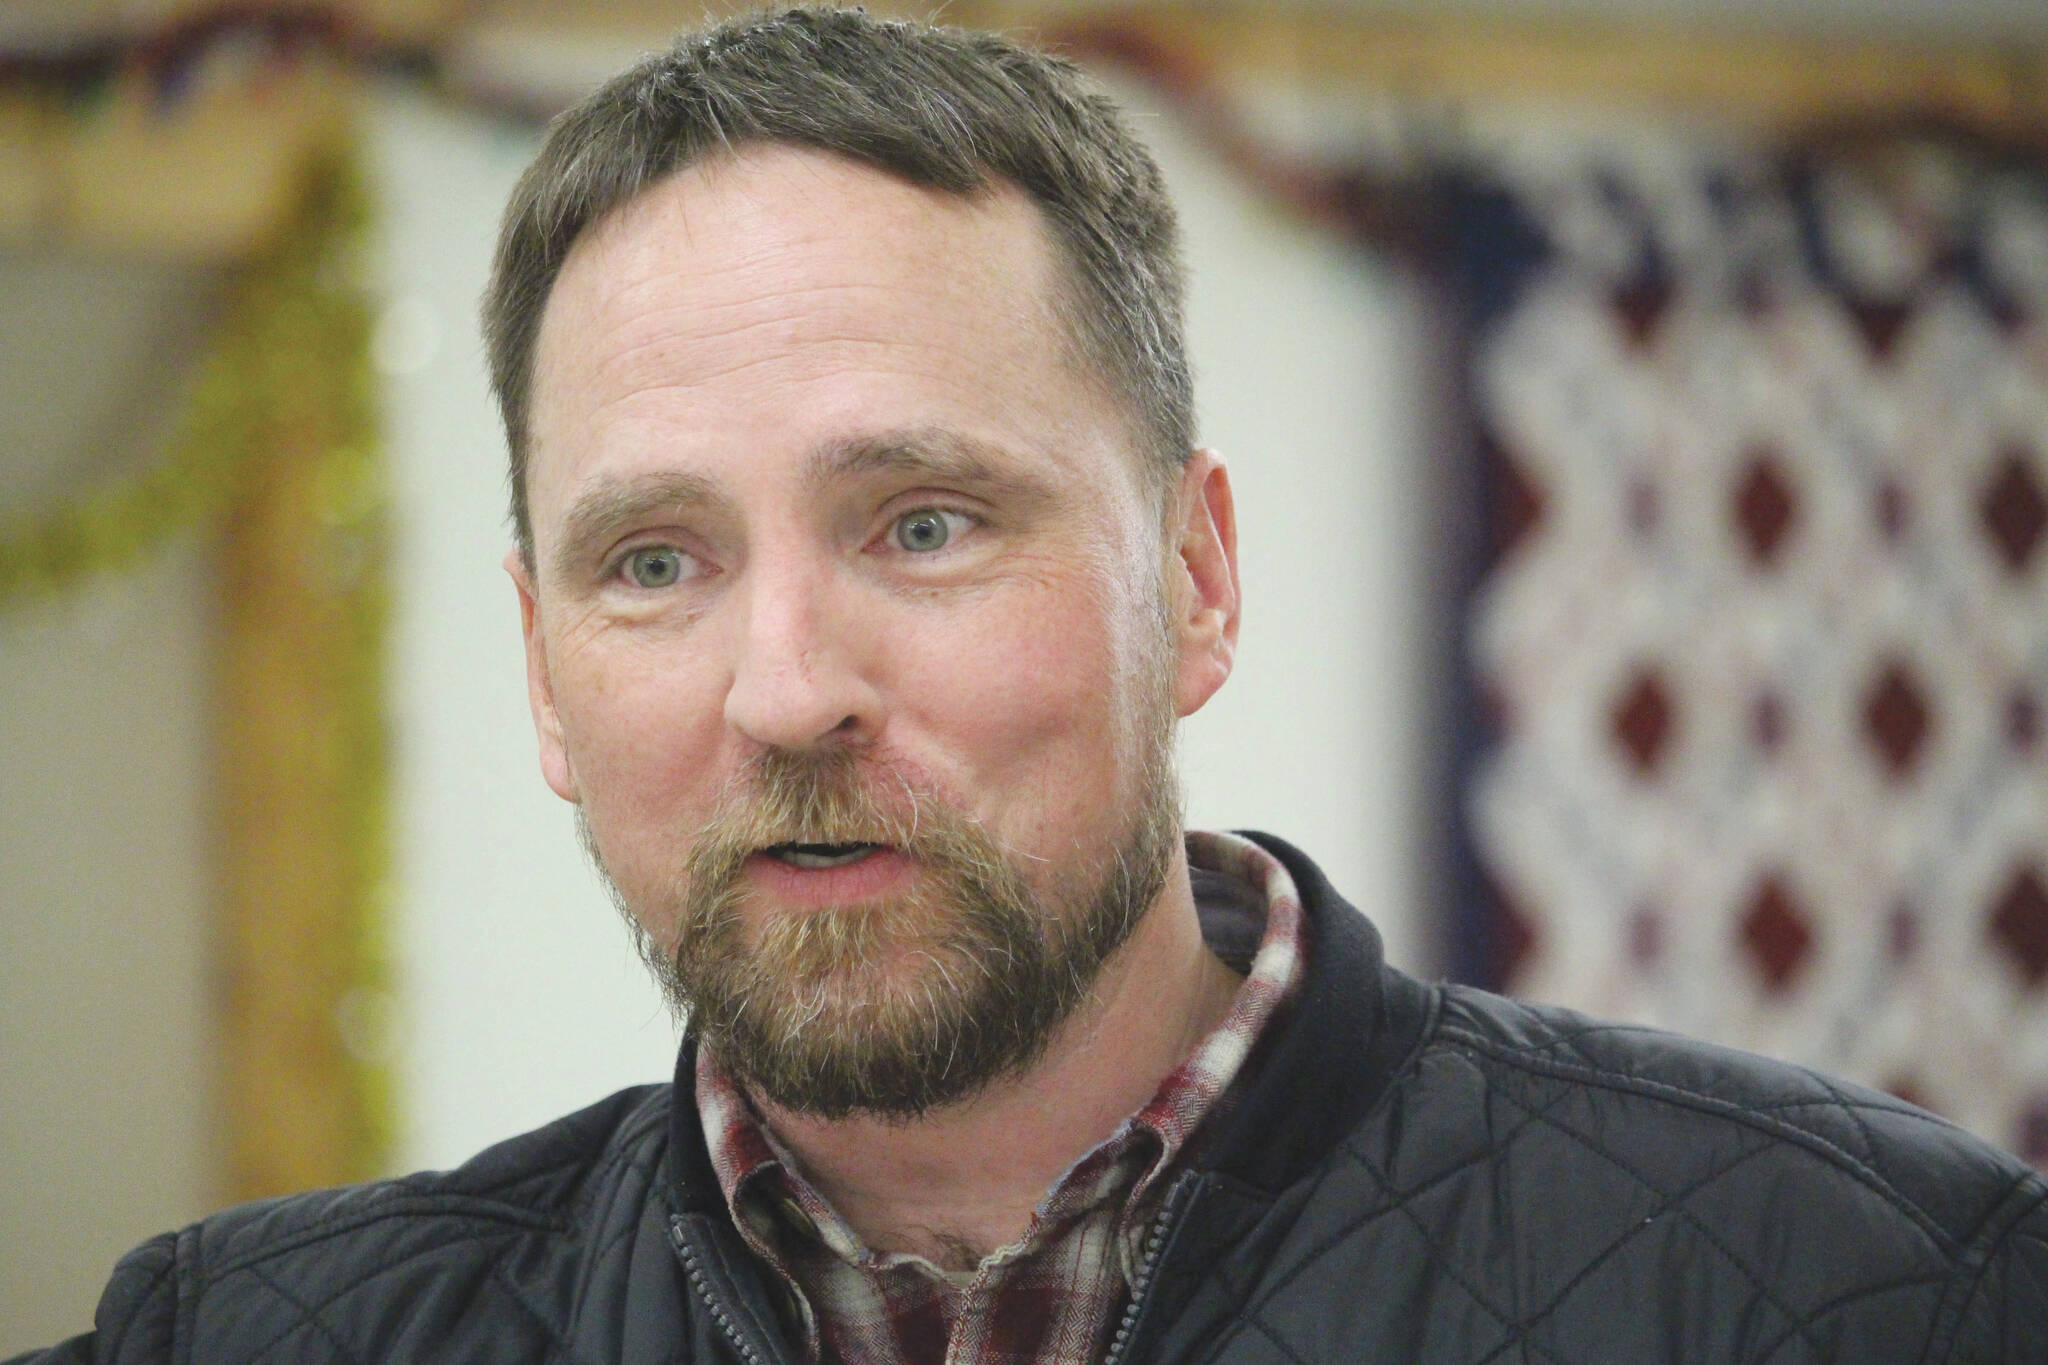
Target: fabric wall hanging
column 1761, row 658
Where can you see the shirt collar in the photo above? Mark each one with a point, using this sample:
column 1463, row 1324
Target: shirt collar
column 1243, row 894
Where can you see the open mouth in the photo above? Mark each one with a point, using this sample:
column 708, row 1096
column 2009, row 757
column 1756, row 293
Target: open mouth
column 820, row 855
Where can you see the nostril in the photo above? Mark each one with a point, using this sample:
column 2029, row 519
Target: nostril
column 787, row 698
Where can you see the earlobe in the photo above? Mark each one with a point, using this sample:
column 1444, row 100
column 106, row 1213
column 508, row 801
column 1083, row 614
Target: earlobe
column 1207, row 606
column 540, row 695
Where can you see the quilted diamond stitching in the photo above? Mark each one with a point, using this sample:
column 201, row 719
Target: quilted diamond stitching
column 1396, row 1204
column 1758, row 1281
column 1478, row 1157
column 1862, row 1294
column 1517, row 1329
column 628, row 1227
column 1853, row 1113
column 254, row 1268
column 1853, row 1110
column 163, row 1272
column 477, row 1221
column 629, row 1146
column 1259, row 1325
column 1570, row 1040
column 557, row 1337
column 1707, row 1103
column 1668, row 1204
column 1515, row 1333
column 309, row 1317
column 1797, row 1324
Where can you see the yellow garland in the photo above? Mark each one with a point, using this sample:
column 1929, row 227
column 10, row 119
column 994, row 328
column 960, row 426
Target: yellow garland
column 287, row 312
column 276, row 453
column 303, row 800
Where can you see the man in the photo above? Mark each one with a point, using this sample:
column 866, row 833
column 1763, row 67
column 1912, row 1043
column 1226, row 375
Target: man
column 866, row 562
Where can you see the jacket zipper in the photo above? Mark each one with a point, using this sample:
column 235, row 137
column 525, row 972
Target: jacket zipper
column 1170, row 1212
column 702, row 1285
column 1177, row 1199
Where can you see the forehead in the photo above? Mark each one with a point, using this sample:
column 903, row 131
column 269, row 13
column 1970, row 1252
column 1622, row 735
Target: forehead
column 780, row 300
column 773, row 219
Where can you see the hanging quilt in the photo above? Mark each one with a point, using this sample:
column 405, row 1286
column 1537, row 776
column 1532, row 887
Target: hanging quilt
column 1762, row 653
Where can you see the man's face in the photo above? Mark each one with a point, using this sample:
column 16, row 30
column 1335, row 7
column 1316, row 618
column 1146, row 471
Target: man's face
column 852, row 628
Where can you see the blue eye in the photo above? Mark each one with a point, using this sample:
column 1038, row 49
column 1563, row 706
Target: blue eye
column 657, row 566
column 926, row 529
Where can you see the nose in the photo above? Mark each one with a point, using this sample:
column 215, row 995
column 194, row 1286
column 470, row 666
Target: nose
column 796, row 679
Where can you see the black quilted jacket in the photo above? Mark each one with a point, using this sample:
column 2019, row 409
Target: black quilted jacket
column 1421, row 1174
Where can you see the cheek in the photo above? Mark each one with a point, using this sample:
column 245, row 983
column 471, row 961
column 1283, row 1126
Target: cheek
column 640, row 727
column 1026, row 698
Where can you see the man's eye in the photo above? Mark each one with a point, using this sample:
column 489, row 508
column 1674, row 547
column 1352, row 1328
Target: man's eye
column 927, row 529
column 657, row 566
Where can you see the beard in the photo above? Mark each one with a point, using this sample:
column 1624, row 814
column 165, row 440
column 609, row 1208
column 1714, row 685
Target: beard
column 895, row 1006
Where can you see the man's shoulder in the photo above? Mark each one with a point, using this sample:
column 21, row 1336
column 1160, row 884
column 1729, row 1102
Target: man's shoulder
column 543, row 1180
column 1437, row 1087
column 1526, row 1179
column 359, row 1271
column 1687, row 1109
column 1797, row 1211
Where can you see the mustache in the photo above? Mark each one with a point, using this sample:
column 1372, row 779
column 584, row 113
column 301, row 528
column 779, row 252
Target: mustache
column 827, row 797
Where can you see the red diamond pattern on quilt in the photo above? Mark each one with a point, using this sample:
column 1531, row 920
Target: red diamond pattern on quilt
column 1768, row 655
column 1643, row 722
column 2019, row 922
column 1776, row 934
column 1765, row 507
column 1896, row 719
column 2014, row 509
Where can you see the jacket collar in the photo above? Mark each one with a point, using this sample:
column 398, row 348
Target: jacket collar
column 1352, row 1026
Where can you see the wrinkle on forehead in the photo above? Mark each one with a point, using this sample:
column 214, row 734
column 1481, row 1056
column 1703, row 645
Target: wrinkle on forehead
column 775, row 222
column 759, row 241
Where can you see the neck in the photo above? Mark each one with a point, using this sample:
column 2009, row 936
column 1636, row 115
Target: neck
column 958, row 1183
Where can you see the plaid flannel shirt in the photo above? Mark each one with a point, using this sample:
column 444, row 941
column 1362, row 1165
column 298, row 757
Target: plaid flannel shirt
column 1050, row 1298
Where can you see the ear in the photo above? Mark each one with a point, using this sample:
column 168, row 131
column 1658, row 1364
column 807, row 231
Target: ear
column 1204, row 577
column 540, row 692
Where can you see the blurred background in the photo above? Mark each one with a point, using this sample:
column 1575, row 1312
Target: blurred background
column 1639, row 411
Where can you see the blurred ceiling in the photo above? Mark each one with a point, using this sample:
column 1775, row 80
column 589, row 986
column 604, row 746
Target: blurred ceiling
column 54, row 26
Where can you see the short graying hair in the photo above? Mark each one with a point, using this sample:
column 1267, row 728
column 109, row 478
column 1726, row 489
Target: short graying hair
column 941, row 108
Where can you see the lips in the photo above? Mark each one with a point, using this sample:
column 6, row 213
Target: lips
column 802, row 874
column 818, row 856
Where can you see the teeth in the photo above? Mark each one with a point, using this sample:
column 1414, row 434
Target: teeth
column 822, row 855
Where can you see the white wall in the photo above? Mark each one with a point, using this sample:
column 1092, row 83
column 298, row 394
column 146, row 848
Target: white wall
column 105, row 894
column 1310, row 378
column 522, row 998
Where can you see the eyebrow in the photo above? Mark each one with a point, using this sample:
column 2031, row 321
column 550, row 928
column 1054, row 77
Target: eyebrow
column 598, row 514
column 937, row 454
